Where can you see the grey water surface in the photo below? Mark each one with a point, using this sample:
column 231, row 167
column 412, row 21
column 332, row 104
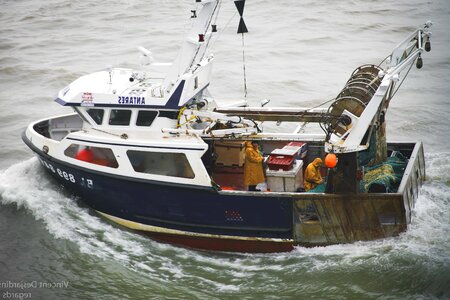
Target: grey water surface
column 298, row 53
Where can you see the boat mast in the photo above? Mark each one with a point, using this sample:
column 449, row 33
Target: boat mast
column 195, row 44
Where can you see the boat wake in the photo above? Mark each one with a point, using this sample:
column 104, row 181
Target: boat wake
column 28, row 186
column 422, row 250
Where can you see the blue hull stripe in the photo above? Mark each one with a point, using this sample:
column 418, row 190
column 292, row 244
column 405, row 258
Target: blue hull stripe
column 155, row 220
column 180, row 207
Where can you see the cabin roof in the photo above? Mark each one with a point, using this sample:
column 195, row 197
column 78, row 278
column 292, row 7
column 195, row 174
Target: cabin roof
column 142, row 139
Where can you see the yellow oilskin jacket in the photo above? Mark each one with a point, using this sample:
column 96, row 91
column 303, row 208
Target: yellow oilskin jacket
column 253, row 168
column 312, row 175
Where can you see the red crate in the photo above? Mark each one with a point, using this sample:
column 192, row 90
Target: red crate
column 280, row 162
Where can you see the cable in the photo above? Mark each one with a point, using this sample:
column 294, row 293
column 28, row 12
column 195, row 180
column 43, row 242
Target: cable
column 221, row 31
column 216, row 12
column 383, row 60
column 401, row 82
column 243, row 62
column 205, row 31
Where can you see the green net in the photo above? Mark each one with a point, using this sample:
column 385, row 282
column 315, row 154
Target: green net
column 385, row 177
column 318, row 189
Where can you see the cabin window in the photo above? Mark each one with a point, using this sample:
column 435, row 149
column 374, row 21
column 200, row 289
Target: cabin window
column 94, row 155
column 146, row 117
column 96, row 115
column 167, row 164
column 171, row 114
column 120, row 117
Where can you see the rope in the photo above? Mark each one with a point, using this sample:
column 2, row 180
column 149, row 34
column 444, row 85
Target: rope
column 100, row 130
column 243, row 62
column 216, row 12
column 180, row 113
column 383, row 60
column 206, row 30
column 401, row 82
column 187, row 121
column 393, row 94
column 323, row 120
column 221, row 31
column 318, row 105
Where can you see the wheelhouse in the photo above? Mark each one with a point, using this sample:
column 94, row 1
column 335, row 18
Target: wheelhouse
column 130, row 118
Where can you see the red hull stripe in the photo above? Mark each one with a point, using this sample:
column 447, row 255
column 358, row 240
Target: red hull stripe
column 228, row 245
column 207, row 241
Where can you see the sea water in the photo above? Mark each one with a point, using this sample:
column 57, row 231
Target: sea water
column 298, row 53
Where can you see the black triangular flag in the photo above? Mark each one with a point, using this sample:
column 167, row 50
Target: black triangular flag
column 242, row 28
column 240, row 6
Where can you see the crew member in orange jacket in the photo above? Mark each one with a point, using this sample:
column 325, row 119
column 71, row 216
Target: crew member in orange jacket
column 312, row 175
column 253, row 167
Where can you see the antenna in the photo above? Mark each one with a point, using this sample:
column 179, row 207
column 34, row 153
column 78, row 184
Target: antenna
column 110, row 69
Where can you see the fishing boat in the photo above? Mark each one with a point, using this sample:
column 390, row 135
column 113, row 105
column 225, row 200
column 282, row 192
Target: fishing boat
column 158, row 154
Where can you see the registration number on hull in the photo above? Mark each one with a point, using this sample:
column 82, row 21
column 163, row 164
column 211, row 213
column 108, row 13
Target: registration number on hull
column 88, row 183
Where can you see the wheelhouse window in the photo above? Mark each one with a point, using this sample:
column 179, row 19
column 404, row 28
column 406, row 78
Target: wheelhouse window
column 146, row 117
column 94, row 155
column 119, row 117
column 159, row 163
column 96, row 115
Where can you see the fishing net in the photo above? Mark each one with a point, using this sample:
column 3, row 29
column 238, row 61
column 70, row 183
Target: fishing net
column 385, row 177
column 318, row 189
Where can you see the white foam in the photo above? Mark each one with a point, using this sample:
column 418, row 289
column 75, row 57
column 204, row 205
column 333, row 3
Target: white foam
column 26, row 186
column 427, row 237
column 220, row 287
column 437, row 167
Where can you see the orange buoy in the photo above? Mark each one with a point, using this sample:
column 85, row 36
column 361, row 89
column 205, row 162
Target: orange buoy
column 331, row 160
column 85, row 155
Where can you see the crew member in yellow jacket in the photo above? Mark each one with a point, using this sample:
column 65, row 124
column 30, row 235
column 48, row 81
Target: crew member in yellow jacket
column 253, row 167
column 312, row 175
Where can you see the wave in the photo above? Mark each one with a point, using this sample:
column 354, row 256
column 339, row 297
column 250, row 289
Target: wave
column 422, row 250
